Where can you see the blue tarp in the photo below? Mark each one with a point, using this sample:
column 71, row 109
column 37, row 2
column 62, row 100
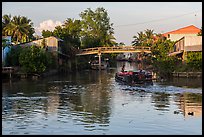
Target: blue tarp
column 5, row 51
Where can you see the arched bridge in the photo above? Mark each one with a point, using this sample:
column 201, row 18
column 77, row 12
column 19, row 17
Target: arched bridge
column 116, row 49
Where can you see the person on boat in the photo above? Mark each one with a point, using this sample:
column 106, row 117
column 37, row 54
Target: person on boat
column 140, row 76
column 123, row 68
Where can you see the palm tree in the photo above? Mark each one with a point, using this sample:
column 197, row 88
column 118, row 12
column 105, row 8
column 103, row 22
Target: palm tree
column 149, row 33
column 6, row 19
column 145, row 38
column 149, row 37
column 138, row 40
column 20, row 28
column 109, row 40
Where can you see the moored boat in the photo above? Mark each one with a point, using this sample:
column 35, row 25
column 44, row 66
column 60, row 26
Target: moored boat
column 95, row 65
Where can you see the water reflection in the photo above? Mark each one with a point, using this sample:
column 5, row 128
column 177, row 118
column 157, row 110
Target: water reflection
column 53, row 99
column 88, row 103
column 161, row 101
column 91, row 102
column 190, row 104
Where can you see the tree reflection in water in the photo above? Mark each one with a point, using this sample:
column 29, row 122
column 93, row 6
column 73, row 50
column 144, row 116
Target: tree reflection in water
column 161, row 101
column 93, row 101
column 190, row 104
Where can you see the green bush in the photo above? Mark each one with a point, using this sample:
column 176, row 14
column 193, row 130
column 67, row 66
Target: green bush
column 13, row 55
column 34, row 59
column 194, row 61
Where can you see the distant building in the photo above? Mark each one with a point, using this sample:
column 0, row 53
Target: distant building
column 186, row 44
column 51, row 43
column 179, row 33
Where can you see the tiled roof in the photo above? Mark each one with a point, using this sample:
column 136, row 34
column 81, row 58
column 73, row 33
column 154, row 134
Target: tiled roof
column 186, row 30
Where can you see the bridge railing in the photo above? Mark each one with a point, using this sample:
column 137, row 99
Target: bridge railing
column 116, row 48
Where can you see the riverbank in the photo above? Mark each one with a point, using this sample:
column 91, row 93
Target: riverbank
column 23, row 75
column 187, row 74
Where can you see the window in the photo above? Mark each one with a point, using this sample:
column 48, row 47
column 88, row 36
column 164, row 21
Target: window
column 168, row 35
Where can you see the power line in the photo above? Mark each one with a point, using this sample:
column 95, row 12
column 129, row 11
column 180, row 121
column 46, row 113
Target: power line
column 156, row 20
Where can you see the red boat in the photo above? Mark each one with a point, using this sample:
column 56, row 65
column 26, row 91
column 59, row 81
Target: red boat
column 134, row 77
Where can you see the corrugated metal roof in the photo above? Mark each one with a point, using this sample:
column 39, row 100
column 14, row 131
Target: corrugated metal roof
column 41, row 39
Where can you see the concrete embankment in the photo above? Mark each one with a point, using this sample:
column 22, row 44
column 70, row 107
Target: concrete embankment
column 187, row 74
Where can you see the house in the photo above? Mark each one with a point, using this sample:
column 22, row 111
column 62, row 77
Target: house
column 52, row 43
column 186, row 44
column 179, row 33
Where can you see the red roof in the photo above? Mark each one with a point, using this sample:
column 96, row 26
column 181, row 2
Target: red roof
column 186, row 30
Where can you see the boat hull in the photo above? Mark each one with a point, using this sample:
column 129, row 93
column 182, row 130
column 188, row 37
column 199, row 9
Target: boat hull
column 134, row 78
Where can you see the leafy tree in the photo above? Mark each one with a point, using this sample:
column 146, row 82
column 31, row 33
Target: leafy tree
column 12, row 58
column 59, row 32
column 163, row 63
column 69, row 32
column 159, row 38
column 194, row 60
column 47, row 33
column 72, row 31
column 34, row 59
column 96, row 28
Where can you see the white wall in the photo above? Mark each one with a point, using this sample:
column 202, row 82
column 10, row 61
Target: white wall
column 175, row 37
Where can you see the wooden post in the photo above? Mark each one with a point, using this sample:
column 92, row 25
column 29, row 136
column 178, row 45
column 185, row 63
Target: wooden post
column 99, row 60
column 10, row 70
column 184, row 56
column 69, row 65
column 76, row 62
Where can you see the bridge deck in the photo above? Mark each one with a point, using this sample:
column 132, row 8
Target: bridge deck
column 118, row 49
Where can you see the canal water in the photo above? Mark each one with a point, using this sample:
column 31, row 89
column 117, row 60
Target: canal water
column 91, row 102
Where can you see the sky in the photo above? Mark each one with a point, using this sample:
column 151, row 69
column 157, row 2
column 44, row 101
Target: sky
column 128, row 18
